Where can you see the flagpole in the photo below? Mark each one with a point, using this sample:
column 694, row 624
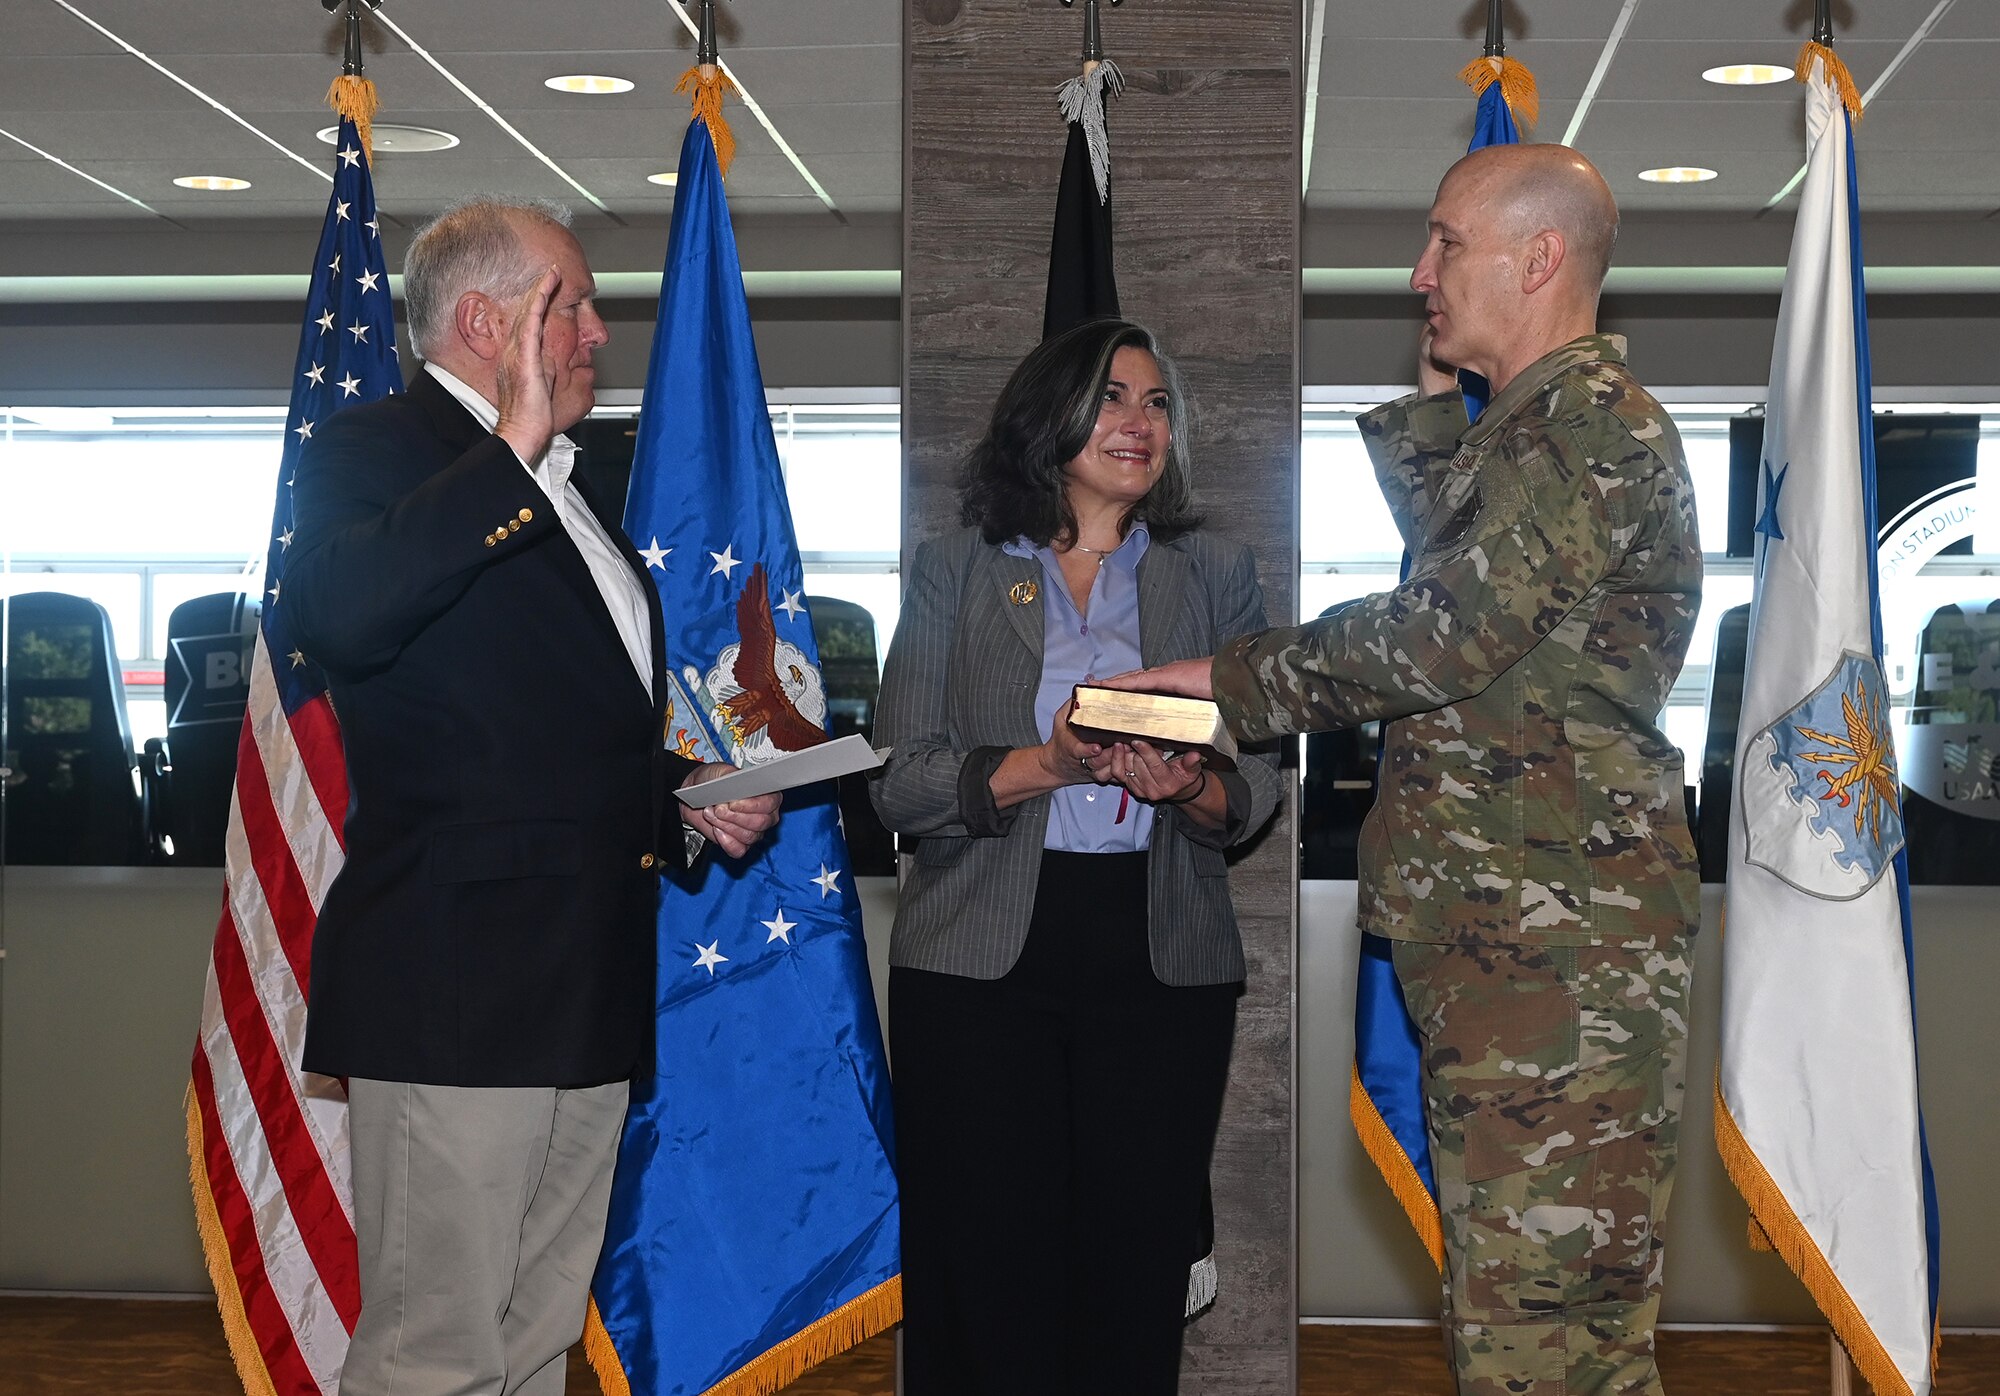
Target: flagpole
column 1093, row 35
column 1840, row 1367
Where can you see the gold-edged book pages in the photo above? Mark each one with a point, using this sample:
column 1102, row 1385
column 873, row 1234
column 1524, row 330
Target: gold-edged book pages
column 1166, row 720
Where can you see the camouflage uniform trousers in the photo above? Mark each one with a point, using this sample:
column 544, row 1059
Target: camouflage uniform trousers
column 1553, row 1079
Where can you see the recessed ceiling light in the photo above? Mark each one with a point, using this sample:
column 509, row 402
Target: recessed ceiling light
column 1748, row 74
column 404, row 140
column 670, row 177
column 593, row 84
column 1677, row 174
column 212, row 183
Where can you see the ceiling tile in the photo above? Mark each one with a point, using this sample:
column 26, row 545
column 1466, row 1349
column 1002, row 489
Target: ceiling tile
column 28, row 31
column 94, row 82
column 297, row 82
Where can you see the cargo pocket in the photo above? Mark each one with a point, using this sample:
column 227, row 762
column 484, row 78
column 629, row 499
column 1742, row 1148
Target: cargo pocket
column 1564, row 1178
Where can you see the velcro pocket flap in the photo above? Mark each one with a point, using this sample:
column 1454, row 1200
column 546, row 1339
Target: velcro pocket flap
column 519, row 848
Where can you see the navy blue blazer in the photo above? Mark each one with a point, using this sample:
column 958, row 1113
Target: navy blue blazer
column 510, row 809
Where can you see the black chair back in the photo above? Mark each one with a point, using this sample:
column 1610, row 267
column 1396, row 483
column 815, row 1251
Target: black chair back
column 845, row 634
column 73, row 796
column 1958, row 687
column 209, row 646
column 1718, row 756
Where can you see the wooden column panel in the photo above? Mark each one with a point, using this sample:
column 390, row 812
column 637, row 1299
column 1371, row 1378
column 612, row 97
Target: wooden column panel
column 1205, row 146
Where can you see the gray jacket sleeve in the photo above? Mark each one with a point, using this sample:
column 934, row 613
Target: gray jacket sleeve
column 921, row 789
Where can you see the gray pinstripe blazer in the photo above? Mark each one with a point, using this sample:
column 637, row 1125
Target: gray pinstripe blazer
column 962, row 674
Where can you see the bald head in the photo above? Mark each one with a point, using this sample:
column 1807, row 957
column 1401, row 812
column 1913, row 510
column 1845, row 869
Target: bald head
column 1529, row 189
column 1518, row 243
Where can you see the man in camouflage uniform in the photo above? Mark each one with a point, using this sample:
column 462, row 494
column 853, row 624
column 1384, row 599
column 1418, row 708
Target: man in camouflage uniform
column 1528, row 852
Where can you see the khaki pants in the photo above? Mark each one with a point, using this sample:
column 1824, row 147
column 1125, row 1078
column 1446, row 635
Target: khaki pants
column 1553, row 1078
column 479, row 1212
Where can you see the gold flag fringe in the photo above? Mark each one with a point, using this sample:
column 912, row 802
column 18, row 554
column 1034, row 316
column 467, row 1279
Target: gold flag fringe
column 1394, row 1164
column 353, row 98
column 1517, row 85
column 708, row 91
column 860, row 1318
column 243, row 1348
column 1836, row 73
column 1772, row 1214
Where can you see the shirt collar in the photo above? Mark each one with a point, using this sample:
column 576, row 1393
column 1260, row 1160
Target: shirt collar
column 1126, row 555
column 561, row 454
column 1529, row 382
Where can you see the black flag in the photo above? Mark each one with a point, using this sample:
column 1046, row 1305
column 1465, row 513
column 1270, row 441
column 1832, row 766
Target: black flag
column 1082, row 282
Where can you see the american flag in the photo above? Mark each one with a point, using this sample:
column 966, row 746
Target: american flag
column 267, row 1142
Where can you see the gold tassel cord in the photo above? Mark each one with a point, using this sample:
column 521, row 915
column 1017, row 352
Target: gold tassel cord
column 860, row 1318
column 1517, row 85
column 1836, row 73
column 236, row 1330
column 353, row 99
column 1772, row 1213
column 708, row 90
column 1382, row 1146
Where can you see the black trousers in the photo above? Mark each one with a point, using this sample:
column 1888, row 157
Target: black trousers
column 1053, row 1130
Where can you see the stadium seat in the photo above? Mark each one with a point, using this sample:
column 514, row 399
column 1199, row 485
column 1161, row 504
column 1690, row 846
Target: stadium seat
column 73, row 794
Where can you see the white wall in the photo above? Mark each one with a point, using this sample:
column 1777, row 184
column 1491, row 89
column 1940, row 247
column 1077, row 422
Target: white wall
column 101, row 988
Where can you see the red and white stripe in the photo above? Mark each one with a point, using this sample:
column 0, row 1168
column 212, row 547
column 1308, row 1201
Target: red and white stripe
column 273, row 1139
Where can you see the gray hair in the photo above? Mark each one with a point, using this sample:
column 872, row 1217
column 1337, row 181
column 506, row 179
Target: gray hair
column 474, row 245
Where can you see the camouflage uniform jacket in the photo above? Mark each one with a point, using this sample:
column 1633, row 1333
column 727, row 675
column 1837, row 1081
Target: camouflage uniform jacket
column 1528, row 794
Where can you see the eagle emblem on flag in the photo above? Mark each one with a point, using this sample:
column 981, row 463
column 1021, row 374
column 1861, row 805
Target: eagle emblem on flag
column 1823, row 798
column 769, row 696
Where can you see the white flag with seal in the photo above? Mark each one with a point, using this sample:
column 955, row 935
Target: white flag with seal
column 1817, row 1115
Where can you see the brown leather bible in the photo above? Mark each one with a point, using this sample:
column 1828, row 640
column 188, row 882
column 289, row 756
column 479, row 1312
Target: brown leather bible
column 1170, row 722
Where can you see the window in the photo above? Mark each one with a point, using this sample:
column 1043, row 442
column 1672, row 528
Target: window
column 1348, row 548
column 140, row 510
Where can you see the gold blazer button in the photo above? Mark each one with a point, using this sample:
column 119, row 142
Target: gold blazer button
column 527, row 516
column 513, row 525
column 646, row 860
column 491, row 540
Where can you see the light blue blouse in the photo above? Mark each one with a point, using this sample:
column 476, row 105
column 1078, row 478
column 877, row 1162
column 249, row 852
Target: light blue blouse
column 1090, row 818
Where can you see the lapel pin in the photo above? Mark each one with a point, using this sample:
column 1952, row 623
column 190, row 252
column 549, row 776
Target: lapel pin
column 1021, row 593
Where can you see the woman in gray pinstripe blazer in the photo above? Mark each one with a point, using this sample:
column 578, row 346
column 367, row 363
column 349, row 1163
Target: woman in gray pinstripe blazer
column 1065, row 963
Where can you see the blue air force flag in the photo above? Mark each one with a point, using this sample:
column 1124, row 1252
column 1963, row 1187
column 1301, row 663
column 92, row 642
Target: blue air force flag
column 753, row 1227
column 1816, row 1113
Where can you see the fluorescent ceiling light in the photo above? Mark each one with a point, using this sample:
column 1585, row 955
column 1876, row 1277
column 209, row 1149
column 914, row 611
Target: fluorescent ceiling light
column 1677, row 174
column 1748, row 74
column 403, row 140
column 591, row 84
column 212, row 183
column 671, row 177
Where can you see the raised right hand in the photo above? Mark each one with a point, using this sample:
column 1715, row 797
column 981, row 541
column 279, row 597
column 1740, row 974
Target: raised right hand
column 525, row 377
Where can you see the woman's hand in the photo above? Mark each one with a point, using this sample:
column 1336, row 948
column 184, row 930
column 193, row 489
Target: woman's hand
column 1064, row 759
column 1068, row 758
column 1146, row 771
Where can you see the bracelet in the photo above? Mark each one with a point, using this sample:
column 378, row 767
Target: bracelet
column 1198, row 791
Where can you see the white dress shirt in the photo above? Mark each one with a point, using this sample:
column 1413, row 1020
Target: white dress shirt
column 616, row 582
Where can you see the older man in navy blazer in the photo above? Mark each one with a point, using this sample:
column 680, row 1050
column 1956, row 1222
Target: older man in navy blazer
column 483, row 967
